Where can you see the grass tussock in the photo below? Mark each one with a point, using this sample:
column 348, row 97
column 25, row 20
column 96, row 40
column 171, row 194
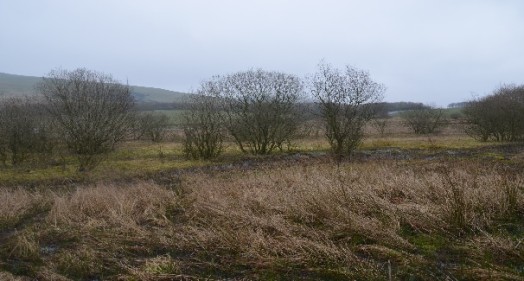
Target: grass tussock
column 19, row 205
column 423, row 220
column 110, row 206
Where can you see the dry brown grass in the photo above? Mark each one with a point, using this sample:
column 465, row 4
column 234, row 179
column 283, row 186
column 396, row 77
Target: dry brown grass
column 110, row 206
column 320, row 216
column 20, row 204
column 455, row 219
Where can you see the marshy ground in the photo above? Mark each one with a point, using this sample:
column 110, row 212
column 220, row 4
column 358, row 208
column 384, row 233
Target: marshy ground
column 402, row 208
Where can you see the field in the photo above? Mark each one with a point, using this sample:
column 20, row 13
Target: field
column 404, row 207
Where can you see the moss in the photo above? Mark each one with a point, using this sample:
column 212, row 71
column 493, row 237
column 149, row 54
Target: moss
column 16, row 176
column 426, row 244
column 79, row 264
column 161, row 265
column 493, row 155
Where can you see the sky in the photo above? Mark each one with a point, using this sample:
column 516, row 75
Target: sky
column 431, row 51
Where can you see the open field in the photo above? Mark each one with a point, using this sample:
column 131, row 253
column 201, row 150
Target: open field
column 404, row 207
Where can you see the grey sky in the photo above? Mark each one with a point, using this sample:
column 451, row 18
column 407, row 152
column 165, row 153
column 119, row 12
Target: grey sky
column 432, row 51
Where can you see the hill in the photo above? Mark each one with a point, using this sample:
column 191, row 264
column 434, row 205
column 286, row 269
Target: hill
column 12, row 85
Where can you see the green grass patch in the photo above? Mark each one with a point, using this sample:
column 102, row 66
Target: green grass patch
column 176, row 116
column 139, row 158
column 12, row 176
column 425, row 142
column 493, row 155
column 429, row 244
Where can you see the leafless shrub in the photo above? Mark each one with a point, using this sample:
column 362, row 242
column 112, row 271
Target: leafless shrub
column 260, row 108
column 424, row 120
column 204, row 124
column 498, row 117
column 25, row 130
column 92, row 109
column 150, row 125
column 345, row 100
column 380, row 125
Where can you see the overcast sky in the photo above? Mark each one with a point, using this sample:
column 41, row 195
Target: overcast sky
column 431, row 51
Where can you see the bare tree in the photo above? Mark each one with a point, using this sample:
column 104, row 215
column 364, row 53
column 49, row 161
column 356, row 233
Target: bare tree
column 482, row 118
column 261, row 108
column 499, row 116
column 424, row 120
column 92, row 109
column 150, row 125
column 345, row 99
column 381, row 118
column 25, row 130
column 380, row 124
column 203, row 123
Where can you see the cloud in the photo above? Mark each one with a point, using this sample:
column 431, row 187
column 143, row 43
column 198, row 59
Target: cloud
column 429, row 51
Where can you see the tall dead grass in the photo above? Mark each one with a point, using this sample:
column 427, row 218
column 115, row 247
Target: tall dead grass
column 128, row 208
column 425, row 220
column 313, row 217
column 19, row 204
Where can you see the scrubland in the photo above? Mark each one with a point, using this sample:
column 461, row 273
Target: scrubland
column 402, row 208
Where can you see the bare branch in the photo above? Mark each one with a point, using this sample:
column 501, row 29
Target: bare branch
column 345, row 100
column 93, row 110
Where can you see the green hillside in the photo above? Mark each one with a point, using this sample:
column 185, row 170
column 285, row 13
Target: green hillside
column 19, row 85
column 149, row 94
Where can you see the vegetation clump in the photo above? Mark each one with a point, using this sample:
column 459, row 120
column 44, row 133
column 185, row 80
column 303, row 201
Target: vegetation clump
column 204, row 124
column 424, row 120
column 93, row 111
column 346, row 102
column 25, row 131
column 499, row 116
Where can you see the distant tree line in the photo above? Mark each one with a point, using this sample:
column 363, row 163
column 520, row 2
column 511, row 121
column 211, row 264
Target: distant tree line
column 385, row 108
column 458, row 104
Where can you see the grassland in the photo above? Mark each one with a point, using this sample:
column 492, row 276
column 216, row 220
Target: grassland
column 403, row 208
